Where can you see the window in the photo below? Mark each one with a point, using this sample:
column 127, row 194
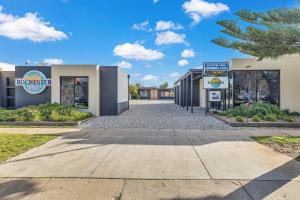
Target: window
column 10, row 82
column 10, row 92
column 144, row 94
column 74, row 92
column 251, row 86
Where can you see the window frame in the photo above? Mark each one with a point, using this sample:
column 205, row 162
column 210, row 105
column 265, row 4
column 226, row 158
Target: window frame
column 74, row 77
column 257, row 79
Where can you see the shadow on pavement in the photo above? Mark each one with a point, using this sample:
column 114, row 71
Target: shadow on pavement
column 16, row 189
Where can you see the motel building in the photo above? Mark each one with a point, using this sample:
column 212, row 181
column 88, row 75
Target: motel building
column 152, row 93
column 275, row 81
column 99, row 90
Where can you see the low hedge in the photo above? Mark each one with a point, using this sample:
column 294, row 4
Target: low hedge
column 260, row 110
column 44, row 112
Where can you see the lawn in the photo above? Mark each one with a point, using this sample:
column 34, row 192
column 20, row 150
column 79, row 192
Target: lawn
column 15, row 144
column 285, row 144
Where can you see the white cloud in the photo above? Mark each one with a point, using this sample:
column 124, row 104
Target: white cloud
column 6, row 66
column 188, row 53
column 144, row 26
column 30, row 26
column 135, row 75
column 150, row 77
column 170, row 37
column 53, row 61
column 167, row 25
column 198, row 9
column 124, row 65
column 137, row 51
column 183, row 62
column 174, row 74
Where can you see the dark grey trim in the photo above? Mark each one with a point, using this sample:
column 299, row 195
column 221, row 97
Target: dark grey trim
column 108, row 91
column 123, row 106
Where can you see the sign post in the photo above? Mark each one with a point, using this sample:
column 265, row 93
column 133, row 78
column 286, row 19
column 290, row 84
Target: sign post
column 215, row 82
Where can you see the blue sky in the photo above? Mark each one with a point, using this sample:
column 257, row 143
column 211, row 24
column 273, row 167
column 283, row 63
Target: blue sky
column 146, row 36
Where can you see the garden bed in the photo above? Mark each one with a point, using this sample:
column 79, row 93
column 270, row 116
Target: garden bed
column 284, row 144
column 259, row 115
column 43, row 115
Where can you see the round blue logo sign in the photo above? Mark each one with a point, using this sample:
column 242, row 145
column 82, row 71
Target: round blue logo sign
column 34, row 82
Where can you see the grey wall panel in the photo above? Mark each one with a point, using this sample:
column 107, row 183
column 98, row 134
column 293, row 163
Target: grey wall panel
column 3, row 91
column 196, row 93
column 22, row 97
column 108, row 91
column 122, row 107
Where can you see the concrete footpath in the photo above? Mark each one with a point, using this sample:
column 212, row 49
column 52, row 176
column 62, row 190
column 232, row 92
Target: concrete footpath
column 153, row 164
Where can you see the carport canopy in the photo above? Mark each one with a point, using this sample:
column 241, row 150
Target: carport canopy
column 184, row 87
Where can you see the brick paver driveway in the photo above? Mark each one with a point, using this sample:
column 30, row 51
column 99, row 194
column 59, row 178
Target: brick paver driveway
column 157, row 114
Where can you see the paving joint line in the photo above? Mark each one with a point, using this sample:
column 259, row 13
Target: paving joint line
column 244, row 188
column 101, row 161
column 199, row 157
column 40, row 188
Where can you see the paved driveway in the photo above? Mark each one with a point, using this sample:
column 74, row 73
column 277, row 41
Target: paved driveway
column 152, row 164
column 157, row 115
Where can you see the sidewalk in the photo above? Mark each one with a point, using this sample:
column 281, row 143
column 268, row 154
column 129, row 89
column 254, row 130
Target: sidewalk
column 41, row 131
column 153, row 164
column 116, row 189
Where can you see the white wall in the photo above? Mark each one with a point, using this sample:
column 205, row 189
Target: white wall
column 122, row 86
column 91, row 71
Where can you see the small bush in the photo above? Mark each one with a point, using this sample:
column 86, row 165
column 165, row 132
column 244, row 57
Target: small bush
column 44, row 112
column 216, row 112
column 271, row 118
column 296, row 114
column 287, row 119
column 286, row 111
column 256, row 118
column 239, row 119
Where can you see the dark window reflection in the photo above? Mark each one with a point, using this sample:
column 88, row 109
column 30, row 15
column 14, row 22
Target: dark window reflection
column 250, row 86
column 74, row 92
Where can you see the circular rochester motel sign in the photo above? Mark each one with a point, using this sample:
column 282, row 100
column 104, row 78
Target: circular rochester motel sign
column 34, row 82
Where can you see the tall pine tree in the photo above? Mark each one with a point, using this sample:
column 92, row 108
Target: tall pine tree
column 273, row 33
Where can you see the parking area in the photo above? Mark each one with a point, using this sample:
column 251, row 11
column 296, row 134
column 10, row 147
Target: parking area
column 157, row 114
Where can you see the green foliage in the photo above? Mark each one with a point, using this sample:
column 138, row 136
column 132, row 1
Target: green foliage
column 296, row 114
column 44, row 112
column 134, row 90
column 270, row 118
column 165, row 85
column 239, row 119
column 256, row 109
column 274, row 33
column 287, row 118
column 256, row 118
column 277, row 139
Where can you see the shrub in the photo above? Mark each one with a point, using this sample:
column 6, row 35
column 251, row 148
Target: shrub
column 239, row 119
column 256, row 109
column 216, row 112
column 287, row 119
column 44, row 112
column 256, row 118
column 286, row 111
column 271, row 118
column 296, row 114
